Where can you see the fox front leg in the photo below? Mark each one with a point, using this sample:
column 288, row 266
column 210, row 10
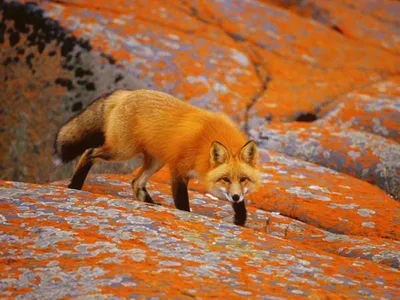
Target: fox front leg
column 180, row 193
column 240, row 213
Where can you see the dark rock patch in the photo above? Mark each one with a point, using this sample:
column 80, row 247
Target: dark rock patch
column 306, row 117
column 65, row 82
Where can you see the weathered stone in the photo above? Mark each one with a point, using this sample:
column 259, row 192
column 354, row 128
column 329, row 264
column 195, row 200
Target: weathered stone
column 334, row 64
column 47, row 76
column 370, row 22
column 375, row 108
column 360, row 154
column 90, row 245
column 298, row 201
column 256, row 62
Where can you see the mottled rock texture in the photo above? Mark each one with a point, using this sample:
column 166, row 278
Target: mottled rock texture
column 372, row 22
column 360, row 154
column 92, row 245
column 47, row 75
column 255, row 61
column 325, row 222
column 299, row 201
column 375, row 109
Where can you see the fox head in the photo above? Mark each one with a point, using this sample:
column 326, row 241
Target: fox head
column 233, row 175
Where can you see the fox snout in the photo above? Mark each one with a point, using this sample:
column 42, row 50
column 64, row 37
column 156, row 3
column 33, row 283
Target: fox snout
column 235, row 193
column 236, row 198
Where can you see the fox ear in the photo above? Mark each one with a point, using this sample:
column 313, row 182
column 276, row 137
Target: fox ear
column 218, row 154
column 249, row 153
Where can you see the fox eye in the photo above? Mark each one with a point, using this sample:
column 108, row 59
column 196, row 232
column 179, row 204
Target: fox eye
column 243, row 179
column 226, row 179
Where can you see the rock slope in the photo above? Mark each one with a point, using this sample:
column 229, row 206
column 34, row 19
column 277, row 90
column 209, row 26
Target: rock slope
column 316, row 83
column 256, row 61
column 66, row 243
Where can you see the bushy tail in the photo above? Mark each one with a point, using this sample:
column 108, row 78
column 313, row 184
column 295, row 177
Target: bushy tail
column 84, row 131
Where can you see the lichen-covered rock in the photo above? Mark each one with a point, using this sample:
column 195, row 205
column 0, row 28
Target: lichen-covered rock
column 311, row 231
column 375, row 109
column 326, row 199
column 63, row 243
column 189, row 60
column 360, row 154
column 254, row 61
column 372, row 22
column 298, row 201
column 299, row 75
column 47, row 75
column 384, row 10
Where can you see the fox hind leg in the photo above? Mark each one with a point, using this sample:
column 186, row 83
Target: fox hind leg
column 88, row 158
column 150, row 166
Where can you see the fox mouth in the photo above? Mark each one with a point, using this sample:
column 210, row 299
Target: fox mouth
column 221, row 193
column 226, row 195
column 230, row 198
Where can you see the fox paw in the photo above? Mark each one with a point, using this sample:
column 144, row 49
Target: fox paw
column 241, row 220
column 143, row 195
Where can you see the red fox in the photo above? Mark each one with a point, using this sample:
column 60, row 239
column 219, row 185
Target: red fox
column 165, row 130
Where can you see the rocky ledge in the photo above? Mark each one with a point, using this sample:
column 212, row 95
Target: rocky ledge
column 316, row 83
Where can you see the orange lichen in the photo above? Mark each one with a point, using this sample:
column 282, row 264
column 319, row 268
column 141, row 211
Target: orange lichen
column 255, row 61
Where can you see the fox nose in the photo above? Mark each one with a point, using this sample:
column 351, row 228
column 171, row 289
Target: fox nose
column 236, row 198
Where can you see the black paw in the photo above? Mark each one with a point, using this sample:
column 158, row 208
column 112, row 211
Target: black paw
column 75, row 186
column 240, row 213
column 147, row 197
column 184, row 208
column 240, row 220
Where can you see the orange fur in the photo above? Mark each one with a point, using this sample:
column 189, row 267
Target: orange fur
column 166, row 131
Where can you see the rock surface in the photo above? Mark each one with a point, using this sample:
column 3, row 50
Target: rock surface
column 257, row 62
column 325, row 221
column 360, row 154
column 374, row 109
column 371, row 22
column 96, row 245
column 47, row 75
column 299, row 201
